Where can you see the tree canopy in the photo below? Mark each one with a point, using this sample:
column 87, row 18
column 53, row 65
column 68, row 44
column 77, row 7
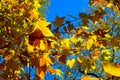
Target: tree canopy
column 86, row 47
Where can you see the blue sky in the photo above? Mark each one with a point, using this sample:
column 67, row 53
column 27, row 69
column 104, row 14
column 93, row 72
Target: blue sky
column 65, row 7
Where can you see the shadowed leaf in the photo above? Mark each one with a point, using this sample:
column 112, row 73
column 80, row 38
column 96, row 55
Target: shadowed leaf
column 58, row 21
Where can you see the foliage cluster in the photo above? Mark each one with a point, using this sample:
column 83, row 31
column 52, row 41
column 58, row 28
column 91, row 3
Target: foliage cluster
column 32, row 48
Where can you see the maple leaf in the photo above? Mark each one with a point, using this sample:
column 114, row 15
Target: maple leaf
column 70, row 63
column 88, row 78
column 41, row 24
column 96, row 52
column 58, row 21
column 100, row 33
column 69, row 27
column 62, row 58
column 35, row 37
column 111, row 68
column 84, row 18
column 55, row 53
column 65, row 43
column 34, row 61
column 102, row 42
column 88, row 44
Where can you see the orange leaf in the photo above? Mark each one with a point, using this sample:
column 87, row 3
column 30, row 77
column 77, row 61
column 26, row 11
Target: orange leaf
column 96, row 53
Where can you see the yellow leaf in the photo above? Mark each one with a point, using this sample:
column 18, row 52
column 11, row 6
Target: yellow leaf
column 42, row 45
column 47, row 59
column 111, row 68
column 88, row 78
column 85, row 71
column 70, row 63
column 109, row 5
column 36, row 4
column 41, row 75
column 93, row 66
column 29, row 47
column 58, row 72
column 65, row 43
column 107, row 51
column 94, row 37
column 89, row 43
column 86, row 27
column 42, row 62
column 42, row 25
column 75, row 40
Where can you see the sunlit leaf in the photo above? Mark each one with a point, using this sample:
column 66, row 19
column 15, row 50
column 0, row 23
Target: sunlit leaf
column 88, row 78
column 70, row 63
column 111, row 68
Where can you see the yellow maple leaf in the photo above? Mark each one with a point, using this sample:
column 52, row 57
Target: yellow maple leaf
column 47, row 59
column 75, row 40
column 41, row 75
column 58, row 72
column 36, row 4
column 42, row 25
column 65, row 43
column 88, row 44
column 70, row 63
column 109, row 5
column 88, row 78
column 111, row 68
column 29, row 47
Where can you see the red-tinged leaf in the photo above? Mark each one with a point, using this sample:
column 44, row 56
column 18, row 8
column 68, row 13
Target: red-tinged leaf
column 52, row 59
column 54, row 53
column 100, row 32
column 34, row 61
column 62, row 59
column 95, row 53
column 103, row 42
column 100, row 2
column 42, row 68
column 36, row 42
column 36, row 35
column 58, row 21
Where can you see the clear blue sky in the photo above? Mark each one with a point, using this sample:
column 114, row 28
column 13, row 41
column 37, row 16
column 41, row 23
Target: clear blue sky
column 65, row 7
